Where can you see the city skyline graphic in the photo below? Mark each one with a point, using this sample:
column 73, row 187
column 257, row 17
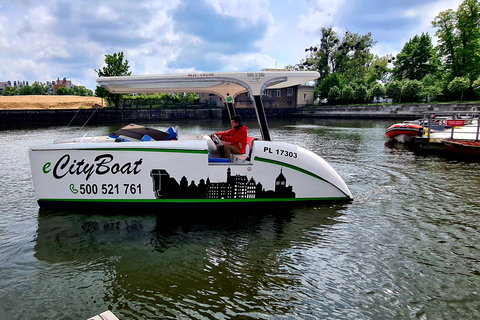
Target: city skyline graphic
column 234, row 187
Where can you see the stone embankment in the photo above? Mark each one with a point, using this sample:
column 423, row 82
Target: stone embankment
column 52, row 116
column 399, row 112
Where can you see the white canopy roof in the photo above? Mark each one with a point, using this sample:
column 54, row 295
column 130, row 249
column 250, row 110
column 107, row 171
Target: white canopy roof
column 220, row 84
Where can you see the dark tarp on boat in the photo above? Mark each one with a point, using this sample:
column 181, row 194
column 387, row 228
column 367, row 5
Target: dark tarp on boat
column 139, row 132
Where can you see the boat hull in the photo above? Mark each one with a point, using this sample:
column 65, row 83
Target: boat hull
column 165, row 174
column 404, row 132
column 467, row 148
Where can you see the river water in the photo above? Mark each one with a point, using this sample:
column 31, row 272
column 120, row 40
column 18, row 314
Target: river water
column 407, row 247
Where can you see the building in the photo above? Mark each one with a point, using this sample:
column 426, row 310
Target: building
column 291, row 97
column 17, row 84
column 53, row 85
column 62, row 84
column 3, row 85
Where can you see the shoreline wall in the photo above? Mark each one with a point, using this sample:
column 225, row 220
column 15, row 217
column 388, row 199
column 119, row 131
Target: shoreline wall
column 394, row 111
column 39, row 117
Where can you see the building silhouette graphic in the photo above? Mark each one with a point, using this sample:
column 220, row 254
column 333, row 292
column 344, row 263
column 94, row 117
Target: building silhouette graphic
column 235, row 187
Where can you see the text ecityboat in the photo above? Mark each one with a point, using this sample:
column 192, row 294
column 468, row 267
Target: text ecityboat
column 154, row 170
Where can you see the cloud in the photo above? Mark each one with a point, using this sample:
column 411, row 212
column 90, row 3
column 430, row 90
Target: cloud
column 48, row 40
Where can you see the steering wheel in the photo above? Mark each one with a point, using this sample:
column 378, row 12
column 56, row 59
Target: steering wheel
column 216, row 140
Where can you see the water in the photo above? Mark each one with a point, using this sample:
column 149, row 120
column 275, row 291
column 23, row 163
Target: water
column 408, row 247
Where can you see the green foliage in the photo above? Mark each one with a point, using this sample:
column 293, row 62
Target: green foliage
column 360, row 93
column 416, row 60
column 115, row 66
column 332, row 80
column 180, row 97
column 458, row 86
column 334, row 94
column 378, row 70
column 394, row 90
column 411, row 90
column 25, row 91
column 458, row 36
column 40, row 88
column 10, row 91
column 80, row 91
column 340, row 60
column 62, row 91
column 476, row 87
column 347, row 93
column 378, row 90
column 432, row 87
column 37, row 88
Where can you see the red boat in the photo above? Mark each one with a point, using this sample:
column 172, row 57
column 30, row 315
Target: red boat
column 404, row 132
column 469, row 148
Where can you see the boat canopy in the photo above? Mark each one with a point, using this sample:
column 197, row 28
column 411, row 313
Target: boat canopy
column 223, row 84
column 220, row 84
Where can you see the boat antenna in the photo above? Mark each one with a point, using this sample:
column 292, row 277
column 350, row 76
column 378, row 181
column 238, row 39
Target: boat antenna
column 96, row 108
column 76, row 113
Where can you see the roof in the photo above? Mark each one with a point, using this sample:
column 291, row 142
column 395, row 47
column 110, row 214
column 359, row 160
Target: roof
column 221, row 83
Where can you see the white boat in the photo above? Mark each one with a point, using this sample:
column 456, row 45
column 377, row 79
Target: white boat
column 134, row 172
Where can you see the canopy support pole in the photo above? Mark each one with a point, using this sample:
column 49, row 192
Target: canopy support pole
column 231, row 110
column 262, row 119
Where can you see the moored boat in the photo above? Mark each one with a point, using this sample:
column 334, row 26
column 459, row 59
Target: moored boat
column 404, row 132
column 138, row 166
column 470, row 148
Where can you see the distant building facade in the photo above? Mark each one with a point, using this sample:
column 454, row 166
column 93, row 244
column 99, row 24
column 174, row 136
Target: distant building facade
column 291, row 97
column 53, row 85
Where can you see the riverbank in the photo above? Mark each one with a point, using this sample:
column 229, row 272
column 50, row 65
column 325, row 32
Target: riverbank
column 393, row 111
column 62, row 110
column 48, row 102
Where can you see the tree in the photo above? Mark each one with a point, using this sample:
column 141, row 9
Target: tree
column 394, row 90
column 411, row 90
column 348, row 58
column 416, row 60
column 378, row 70
column 347, row 93
column 360, row 93
column 334, row 94
column 353, row 56
column 25, row 91
column 62, row 91
column 458, row 86
column 10, row 91
column 458, row 35
column 321, row 56
column 80, row 91
column 115, row 66
column 333, row 80
column 378, row 90
column 432, row 87
column 476, row 87
column 40, row 88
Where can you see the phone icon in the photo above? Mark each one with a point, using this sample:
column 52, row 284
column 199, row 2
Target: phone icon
column 72, row 189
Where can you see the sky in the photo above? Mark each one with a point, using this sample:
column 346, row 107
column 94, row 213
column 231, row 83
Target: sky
column 46, row 40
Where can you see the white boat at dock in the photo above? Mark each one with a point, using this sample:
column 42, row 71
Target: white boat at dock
column 184, row 171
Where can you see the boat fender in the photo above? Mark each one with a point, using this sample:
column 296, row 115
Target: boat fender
column 146, row 138
column 117, row 138
column 173, row 134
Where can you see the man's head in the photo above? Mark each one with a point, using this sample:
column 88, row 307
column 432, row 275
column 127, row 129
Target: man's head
column 236, row 121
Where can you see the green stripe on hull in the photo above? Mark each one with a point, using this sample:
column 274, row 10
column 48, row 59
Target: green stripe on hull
column 284, row 164
column 179, row 201
column 144, row 150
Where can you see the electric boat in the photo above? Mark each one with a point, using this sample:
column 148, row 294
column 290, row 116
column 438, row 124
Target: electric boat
column 139, row 167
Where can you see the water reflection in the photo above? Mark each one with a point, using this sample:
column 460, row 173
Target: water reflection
column 191, row 264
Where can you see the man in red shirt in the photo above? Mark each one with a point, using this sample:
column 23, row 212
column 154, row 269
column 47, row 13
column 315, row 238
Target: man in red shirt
column 235, row 139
